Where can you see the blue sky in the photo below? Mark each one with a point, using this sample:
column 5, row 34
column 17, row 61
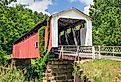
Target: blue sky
column 59, row 5
column 52, row 6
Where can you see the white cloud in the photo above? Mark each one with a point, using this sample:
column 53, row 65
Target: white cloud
column 87, row 4
column 54, row 12
column 41, row 6
column 23, row 2
column 86, row 9
column 35, row 5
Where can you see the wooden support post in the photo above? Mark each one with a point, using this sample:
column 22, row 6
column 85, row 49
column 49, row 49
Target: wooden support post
column 60, row 40
column 80, row 37
column 78, row 53
column 74, row 35
column 66, row 38
column 61, row 53
column 13, row 63
column 99, row 52
column 74, row 72
column 93, row 52
column 113, row 50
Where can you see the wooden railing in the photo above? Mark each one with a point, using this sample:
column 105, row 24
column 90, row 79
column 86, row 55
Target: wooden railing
column 91, row 51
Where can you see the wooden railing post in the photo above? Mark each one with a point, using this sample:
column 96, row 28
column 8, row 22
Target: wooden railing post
column 113, row 50
column 61, row 53
column 78, row 53
column 99, row 52
column 93, row 52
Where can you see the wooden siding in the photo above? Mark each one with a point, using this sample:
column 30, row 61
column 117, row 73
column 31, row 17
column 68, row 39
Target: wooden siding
column 26, row 48
column 50, row 38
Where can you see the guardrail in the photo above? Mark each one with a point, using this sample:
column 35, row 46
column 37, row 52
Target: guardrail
column 91, row 51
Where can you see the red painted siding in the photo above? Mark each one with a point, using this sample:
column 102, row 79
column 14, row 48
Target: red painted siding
column 26, row 48
column 50, row 38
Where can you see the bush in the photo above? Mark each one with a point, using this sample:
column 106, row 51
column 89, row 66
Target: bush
column 9, row 74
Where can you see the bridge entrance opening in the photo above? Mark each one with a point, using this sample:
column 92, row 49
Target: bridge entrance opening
column 69, row 31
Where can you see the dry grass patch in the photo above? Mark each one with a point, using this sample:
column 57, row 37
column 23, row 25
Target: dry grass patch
column 102, row 70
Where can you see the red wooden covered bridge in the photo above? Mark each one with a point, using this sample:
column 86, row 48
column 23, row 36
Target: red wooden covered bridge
column 69, row 27
column 70, row 38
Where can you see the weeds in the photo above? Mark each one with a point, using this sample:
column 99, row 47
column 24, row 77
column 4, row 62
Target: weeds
column 102, row 70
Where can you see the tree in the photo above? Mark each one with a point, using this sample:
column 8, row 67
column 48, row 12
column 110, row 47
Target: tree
column 6, row 2
column 14, row 23
column 106, row 15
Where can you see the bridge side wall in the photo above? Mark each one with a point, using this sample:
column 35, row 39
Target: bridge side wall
column 27, row 48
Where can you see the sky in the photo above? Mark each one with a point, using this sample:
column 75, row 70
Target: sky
column 53, row 6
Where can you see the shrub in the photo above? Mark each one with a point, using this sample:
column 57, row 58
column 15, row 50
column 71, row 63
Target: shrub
column 9, row 74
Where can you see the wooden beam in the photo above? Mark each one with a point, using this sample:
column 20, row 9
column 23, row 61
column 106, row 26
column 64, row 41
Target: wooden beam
column 74, row 35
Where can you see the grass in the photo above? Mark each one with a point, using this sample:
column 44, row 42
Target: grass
column 8, row 74
column 102, row 70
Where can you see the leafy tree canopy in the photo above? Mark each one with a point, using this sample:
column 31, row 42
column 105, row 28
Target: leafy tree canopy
column 106, row 16
column 14, row 23
column 6, row 2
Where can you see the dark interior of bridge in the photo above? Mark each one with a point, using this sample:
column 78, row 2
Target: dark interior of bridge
column 69, row 31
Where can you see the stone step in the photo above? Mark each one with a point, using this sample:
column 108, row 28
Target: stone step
column 47, row 74
column 69, row 80
column 62, row 71
column 57, row 74
column 61, row 66
column 60, row 77
column 59, row 62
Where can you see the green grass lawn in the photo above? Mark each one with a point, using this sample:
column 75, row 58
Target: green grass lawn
column 102, row 70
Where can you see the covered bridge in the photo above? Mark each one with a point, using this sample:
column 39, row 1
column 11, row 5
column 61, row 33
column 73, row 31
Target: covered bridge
column 69, row 27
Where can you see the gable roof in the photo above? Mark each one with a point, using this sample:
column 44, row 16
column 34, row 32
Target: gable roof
column 75, row 9
column 31, row 32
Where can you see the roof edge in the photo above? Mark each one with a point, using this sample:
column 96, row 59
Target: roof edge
column 73, row 8
column 31, row 32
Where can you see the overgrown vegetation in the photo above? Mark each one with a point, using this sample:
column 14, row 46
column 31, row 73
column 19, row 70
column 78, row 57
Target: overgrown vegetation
column 106, row 18
column 10, row 74
column 102, row 71
column 14, row 23
column 39, row 64
column 35, row 72
column 6, row 2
